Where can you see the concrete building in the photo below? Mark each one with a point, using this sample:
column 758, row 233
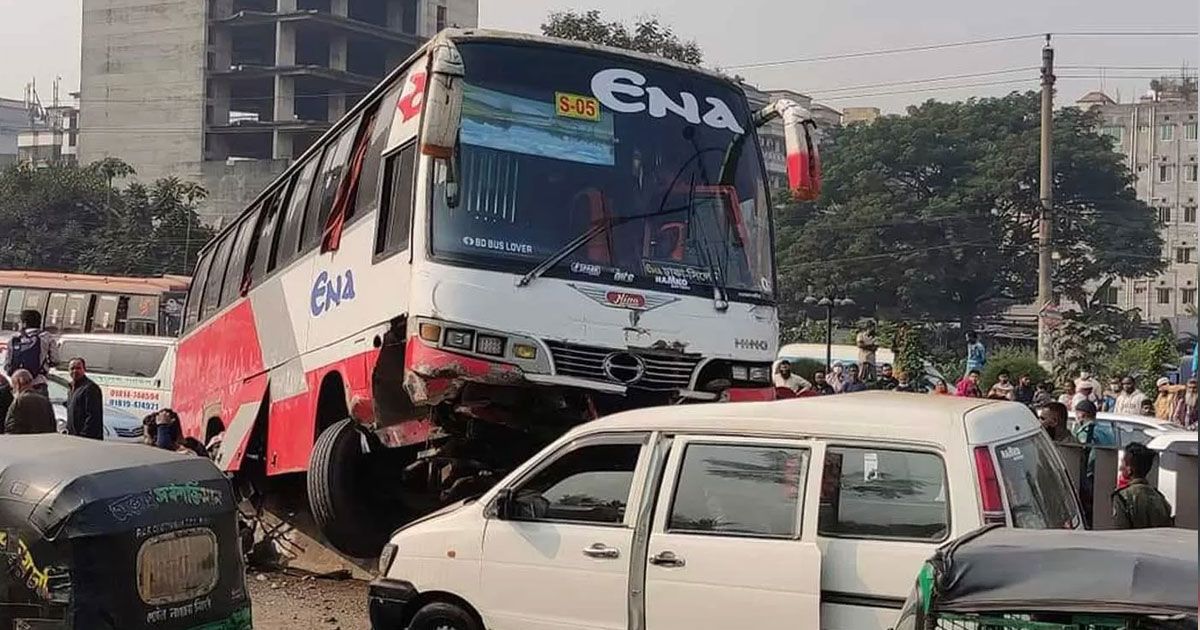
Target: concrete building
column 851, row 115
column 14, row 118
column 53, row 138
column 771, row 135
column 227, row 92
column 1156, row 134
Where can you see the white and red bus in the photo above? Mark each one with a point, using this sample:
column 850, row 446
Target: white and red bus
column 509, row 236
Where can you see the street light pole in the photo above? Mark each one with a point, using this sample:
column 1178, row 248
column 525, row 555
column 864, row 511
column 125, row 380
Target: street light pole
column 828, row 301
column 1045, row 296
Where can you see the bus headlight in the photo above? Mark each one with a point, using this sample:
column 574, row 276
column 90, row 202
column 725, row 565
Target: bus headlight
column 760, row 373
column 461, row 339
column 490, row 345
column 740, row 373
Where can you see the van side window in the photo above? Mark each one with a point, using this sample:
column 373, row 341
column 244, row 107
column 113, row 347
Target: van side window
column 395, row 210
column 739, row 490
column 196, row 291
column 889, row 494
column 289, row 239
column 587, row 485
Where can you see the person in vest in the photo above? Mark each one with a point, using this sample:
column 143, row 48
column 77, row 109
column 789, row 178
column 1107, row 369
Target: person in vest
column 1139, row 505
column 30, row 412
column 32, row 349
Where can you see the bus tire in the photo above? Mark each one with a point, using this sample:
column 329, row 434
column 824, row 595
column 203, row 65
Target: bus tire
column 339, row 492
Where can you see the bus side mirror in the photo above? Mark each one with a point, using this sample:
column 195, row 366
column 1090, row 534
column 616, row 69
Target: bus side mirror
column 800, row 143
column 443, row 102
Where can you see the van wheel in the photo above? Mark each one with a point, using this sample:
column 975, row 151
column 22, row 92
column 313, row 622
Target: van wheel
column 443, row 616
column 340, row 492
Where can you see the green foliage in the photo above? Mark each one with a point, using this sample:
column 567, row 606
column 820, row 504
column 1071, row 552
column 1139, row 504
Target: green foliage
column 72, row 219
column 1080, row 345
column 1143, row 359
column 647, row 35
column 933, row 214
column 1016, row 361
column 910, row 347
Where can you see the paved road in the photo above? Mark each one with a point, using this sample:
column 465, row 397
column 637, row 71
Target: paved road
column 284, row 602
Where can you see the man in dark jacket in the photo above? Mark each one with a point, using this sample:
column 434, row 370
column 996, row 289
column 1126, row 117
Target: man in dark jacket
column 85, row 404
column 30, row 411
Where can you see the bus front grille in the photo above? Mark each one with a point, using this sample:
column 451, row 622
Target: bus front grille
column 636, row 369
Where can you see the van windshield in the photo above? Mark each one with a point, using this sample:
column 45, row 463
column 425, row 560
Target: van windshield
column 108, row 357
column 1039, row 492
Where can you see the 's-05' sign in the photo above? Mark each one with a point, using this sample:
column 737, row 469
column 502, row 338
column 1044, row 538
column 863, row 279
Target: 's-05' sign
column 329, row 292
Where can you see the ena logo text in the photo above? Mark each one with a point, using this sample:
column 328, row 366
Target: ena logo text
column 328, row 293
column 624, row 91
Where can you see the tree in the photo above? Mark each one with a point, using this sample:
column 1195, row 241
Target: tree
column 71, row 219
column 1080, row 345
column 933, row 215
column 648, row 35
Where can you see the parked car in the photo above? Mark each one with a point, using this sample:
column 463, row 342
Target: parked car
column 117, row 536
column 1175, row 449
column 1007, row 579
column 816, row 511
column 1121, row 429
column 119, row 425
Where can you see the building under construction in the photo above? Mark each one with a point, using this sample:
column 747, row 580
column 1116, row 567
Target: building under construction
column 227, row 92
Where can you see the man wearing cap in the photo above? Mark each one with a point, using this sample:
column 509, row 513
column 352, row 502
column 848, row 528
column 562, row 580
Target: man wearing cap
column 1085, row 389
column 1090, row 433
column 1164, row 404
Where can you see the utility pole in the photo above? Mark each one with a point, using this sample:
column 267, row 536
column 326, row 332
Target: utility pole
column 1045, row 297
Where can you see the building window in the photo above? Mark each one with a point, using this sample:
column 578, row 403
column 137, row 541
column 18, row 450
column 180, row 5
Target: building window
column 440, row 21
column 1187, row 296
column 1115, row 132
column 1189, row 214
column 1164, row 215
column 1143, row 128
column 1107, row 295
column 1166, row 173
column 1189, row 131
column 1164, row 295
column 1183, row 254
column 1189, row 172
column 1166, row 132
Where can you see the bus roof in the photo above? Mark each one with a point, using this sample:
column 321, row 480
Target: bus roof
column 52, row 280
column 454, row 35
column 140, row 340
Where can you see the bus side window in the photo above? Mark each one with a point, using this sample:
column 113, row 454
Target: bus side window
column 236, row 270
column 12, row 310
column 391, row 235
column 289, row 239
column 333, row 165
column 196, row 291
column 263, row 247
column 56, row 309
column 368, row 181
column 216, row 273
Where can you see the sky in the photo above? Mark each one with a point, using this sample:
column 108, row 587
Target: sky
column 40, row 39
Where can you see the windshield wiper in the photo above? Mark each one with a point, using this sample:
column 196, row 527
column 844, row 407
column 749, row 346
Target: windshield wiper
column 720, row 296
column 566, row 250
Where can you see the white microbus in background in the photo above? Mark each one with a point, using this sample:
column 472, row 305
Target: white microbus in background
column 509, row 236
column 135, row 372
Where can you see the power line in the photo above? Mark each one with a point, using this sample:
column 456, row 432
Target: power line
column 926, row 80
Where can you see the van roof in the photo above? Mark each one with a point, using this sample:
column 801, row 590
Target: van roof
column 872, row 414
column 839, row 352
column 143, row 340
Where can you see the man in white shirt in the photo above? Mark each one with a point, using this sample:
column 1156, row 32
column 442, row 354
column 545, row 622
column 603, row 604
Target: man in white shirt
column 785, row 378
column 1129, row 401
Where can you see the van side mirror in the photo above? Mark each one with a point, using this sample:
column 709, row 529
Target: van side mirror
column 800, row 143
column 443, row 102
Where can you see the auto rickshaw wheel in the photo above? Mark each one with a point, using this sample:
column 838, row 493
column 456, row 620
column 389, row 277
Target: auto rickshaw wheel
column 340, row 492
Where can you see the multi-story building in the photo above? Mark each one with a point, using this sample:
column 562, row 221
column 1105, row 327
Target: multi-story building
column 14, row 118
column 868, row 115
column 227, row 92
column 1157, row 137
column 53, row 138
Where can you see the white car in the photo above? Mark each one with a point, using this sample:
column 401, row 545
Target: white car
column 1177, row 452
column 806, row 513
column 119, row 425
column 1120, row 430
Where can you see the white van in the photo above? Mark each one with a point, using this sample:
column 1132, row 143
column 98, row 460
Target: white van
column 135, row 372
column 806, row 513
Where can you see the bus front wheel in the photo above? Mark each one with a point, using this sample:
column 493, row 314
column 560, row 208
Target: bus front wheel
column 340, row 491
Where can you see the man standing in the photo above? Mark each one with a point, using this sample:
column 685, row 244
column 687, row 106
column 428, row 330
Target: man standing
column 976, row 353
column 1089, row 433
column 33, row 349
column 1110, row 395
column 30, row 411
column 1129, row 401
column 1187, row 410
column 1053, row 417
column 85, row 404
column 1139, row 505
column 867, row 345
column 1168, row 394
column 820, row 385
column 1024, row 391
column 785, row 378
column 1084, row 390
column 968, row 387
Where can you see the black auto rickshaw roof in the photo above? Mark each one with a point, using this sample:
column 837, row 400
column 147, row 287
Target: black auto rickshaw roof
column 45, row 479
column 1146, row 571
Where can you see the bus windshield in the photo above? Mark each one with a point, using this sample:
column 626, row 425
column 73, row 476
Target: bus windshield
column 660, row 164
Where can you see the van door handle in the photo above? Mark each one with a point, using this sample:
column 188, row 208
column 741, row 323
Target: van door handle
column 601, row 550
column 667, row 559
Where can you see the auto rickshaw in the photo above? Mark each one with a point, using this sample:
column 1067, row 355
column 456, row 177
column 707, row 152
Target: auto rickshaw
column 97, row 535
column 1000, row 578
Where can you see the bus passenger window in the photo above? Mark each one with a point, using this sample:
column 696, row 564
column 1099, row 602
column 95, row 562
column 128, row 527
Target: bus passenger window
column 368, row 181
column 196, row 291
column 394, row 213
column 12, row 311
column 236, row 269
column 289, row 239
column 333, row 165
column 104, row 320
column 36, row 301
column 79, row 307
column 56, row 310
column 263, row 247
column 212, row 284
